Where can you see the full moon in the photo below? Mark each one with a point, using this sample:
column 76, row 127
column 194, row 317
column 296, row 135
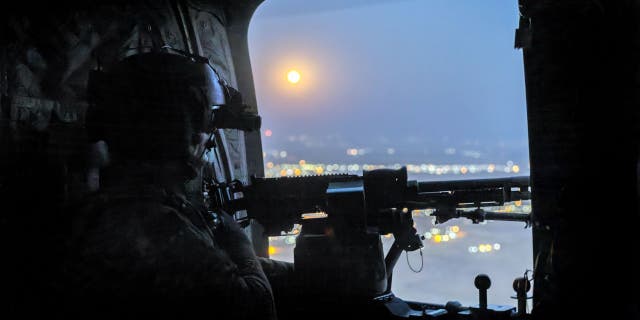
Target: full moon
column 293, row 76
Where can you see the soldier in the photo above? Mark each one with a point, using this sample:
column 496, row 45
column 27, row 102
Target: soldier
column 139, row 245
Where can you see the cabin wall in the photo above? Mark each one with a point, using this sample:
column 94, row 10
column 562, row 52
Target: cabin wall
column 46, row 53
column 582, row 63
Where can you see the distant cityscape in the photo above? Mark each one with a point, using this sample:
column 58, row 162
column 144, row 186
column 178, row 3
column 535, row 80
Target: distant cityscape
column 302, row 168
column 305, row 154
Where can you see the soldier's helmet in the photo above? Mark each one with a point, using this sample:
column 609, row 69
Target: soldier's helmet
column 150, row 106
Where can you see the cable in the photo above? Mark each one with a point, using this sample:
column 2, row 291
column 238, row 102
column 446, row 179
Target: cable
column 421, row 262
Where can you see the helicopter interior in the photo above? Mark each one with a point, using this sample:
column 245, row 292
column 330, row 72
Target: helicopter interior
column 581, row 77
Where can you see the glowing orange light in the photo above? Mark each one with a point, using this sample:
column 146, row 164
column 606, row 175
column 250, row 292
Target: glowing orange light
column 293, row 76
column 455, row 228
column 297, row 172
column 302, row 162
column 270, row 165
column 272, row 250
column 437, row 238
column 518, row 203
column 329, row 232
column 314, row 215
column 464, row 170
column 319, row 170
column 515, row 168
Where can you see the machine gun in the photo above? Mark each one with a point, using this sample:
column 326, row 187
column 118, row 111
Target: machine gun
column 341, row 247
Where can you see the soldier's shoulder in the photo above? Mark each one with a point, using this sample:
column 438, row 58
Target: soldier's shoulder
column 118, row 206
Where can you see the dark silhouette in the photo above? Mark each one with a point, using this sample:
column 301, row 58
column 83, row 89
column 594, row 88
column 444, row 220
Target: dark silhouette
column 139, row 243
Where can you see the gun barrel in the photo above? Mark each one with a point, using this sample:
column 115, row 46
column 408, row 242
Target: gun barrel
column 500, row 216
column 471, row 193
column 453, row 185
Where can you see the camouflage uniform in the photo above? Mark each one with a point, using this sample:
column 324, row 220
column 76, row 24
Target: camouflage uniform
column 139, row 247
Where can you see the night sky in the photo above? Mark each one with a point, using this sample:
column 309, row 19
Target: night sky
column 422, row 75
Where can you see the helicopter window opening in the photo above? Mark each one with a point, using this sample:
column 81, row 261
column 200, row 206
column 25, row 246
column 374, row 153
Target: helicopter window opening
column 433, row 85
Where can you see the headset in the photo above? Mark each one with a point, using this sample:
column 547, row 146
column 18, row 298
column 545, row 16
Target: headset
column 162, row 75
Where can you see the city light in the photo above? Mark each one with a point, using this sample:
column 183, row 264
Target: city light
column 275, row 164
column 485, row 248
column 268, row 133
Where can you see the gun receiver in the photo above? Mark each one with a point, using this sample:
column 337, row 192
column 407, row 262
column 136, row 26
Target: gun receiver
column 278, row 203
